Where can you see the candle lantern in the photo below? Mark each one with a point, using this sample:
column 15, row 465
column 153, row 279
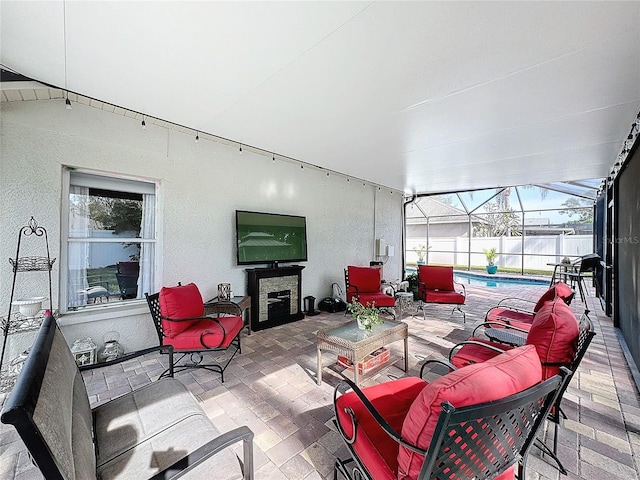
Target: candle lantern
column 224, row 291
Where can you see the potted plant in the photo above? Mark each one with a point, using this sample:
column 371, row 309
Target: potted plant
column 366, row 315
column 420, row 251
column 412, row 278
column 491, row 255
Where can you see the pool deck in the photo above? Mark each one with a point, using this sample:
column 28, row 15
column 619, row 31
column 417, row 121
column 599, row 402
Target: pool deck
column 271, row 388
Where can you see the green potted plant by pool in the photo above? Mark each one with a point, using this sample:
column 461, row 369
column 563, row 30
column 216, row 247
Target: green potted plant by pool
column 420, row 251
column 491, row 255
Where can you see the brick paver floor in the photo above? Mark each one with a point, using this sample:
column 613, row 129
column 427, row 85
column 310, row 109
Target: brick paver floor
column 271, row 388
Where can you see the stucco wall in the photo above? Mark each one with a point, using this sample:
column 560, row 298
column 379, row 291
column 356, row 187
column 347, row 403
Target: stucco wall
column 201, row 186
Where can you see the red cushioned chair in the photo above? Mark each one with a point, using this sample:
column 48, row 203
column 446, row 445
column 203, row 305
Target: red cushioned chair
column 560, row 341
column 178, row 315
column 363, row 284
column 436, row 285
column 476, row 422
column 518, row 312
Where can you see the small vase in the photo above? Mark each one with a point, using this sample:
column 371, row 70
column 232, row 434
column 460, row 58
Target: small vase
column 361, row 325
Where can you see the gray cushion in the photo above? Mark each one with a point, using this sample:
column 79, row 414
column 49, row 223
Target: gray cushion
column 153, row 427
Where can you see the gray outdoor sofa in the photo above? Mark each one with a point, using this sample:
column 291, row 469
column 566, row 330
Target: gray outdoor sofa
column 156, row 431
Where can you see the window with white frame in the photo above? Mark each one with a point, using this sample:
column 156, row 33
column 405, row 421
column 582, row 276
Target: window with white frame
column 110, row 240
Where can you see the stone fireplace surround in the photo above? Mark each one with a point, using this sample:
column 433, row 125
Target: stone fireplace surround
column 265, row 281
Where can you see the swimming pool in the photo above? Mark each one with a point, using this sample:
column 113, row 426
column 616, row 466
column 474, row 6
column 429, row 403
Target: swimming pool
column 470, row 278
column 486, row 280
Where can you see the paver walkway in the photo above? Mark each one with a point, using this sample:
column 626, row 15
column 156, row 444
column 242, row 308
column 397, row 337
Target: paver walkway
column 271, row 388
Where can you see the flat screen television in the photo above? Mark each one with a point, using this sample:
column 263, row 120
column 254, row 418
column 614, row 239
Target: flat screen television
column 270, row 238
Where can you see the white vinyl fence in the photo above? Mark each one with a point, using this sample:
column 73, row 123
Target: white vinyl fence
column 538, row 250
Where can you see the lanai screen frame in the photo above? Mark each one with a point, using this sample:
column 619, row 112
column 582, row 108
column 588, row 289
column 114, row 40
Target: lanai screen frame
column 586, row 189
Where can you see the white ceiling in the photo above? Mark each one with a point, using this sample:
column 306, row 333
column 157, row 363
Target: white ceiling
column 417, row 96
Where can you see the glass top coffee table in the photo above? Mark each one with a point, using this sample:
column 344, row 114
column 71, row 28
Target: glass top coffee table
column 355, row 344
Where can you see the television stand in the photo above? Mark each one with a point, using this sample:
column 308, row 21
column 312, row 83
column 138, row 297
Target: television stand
column 276, row 295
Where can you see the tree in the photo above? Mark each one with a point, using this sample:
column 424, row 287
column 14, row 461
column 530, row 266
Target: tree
column 498, row 222
column 117, row 214
column 580, row 207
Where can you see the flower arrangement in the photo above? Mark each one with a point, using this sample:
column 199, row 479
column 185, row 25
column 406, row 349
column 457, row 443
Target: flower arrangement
column 366, row 315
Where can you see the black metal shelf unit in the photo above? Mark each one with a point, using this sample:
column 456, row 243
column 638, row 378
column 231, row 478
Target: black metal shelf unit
column 16, row 322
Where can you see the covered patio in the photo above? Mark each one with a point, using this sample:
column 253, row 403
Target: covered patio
column 291, row 416
column 344, row 114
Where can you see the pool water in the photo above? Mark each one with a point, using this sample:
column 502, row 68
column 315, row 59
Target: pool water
column 468, row 278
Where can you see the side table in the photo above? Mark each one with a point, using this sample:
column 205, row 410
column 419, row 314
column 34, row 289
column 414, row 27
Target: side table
column 350, row 341
column 236, row 305
column 404, row 300
column 503, row 335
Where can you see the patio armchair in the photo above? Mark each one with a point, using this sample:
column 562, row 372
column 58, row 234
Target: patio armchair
column 127, row 276
column 520, row 312
column 155, row 431
column 475, row 422
column 436, row 285
column 586, row 267
column 179, row 319
column 364, row 285
column 560, row 341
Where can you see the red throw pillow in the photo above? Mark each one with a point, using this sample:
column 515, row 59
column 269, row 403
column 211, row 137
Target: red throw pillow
column 179, row 302
column 436, row 277
column 367, row 279
column 554, row 333
column 508, row 373
column 558, row 290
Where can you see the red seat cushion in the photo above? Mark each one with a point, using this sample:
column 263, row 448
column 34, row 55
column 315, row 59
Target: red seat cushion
column 379, row 299
column 510, row 317
column 438, row 296
column 366, row 279
column 554, row 332
column 180, row 302
column 511, row 372
column 208, row 332
column 378, row 451
column 471, row 353
column 436, row 277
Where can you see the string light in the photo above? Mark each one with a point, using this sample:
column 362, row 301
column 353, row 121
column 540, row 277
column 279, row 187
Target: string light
column 629, row 142
column 143, row 124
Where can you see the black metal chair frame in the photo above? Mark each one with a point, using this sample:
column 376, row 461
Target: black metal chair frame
column 585, row 265
column 517, row 417
column 194, row 355
column 349, row 287
column 585, row 336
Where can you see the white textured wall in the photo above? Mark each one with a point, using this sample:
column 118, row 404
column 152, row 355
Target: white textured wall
column 202, row 184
